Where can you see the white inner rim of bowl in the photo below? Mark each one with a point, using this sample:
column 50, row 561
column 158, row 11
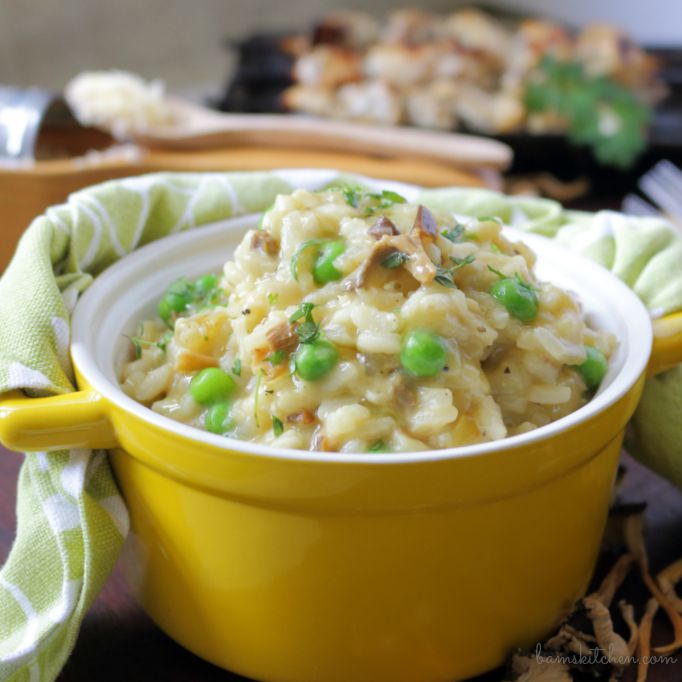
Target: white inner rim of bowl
column 128, row 291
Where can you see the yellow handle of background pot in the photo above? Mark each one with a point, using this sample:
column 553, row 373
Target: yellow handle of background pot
column 73, row 420
column 667, row 350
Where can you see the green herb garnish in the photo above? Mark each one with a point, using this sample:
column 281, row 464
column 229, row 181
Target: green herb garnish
column 383, row 200
column 303, row 310
column 392, row 197
column 237, row 367
column 299, row 251
column 352, row 195
column 600, row 113
column 138, row 342
column 308, row 331
column 522, row 282
column 276, row 357
column 272, row 298
column 501, row 275
column 444, row 275
column 378, row 446
column 165, row 339
column 277, row 426
column 455, row 234
column 444, row 278
column 395, row 260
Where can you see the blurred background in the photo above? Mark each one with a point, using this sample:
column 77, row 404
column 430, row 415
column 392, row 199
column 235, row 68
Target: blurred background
column 584, row 96
column 47, row 43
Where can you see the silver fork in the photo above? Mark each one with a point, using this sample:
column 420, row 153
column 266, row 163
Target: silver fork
column 663, row 185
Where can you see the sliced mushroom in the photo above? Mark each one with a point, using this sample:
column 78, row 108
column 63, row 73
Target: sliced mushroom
column 282, row 337
column 425, row 225
column 383, row 226
column 301, row 417
column 418, row 263
column 319, row 442
column 263, row 240
column 405, row 395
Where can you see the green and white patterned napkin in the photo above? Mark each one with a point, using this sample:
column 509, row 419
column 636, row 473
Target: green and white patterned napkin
column 71, row 519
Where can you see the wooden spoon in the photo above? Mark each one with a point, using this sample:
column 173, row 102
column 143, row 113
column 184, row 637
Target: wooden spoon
column 196, row 127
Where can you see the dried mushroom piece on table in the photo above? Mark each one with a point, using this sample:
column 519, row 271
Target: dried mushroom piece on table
column 588, row 642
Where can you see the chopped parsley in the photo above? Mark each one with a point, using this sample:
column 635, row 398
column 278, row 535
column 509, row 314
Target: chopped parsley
column 393, row 197
column 299, row 252
column 522, row 282
column 138, row 342
column 501, row 275
column 272, row 298
column 237, row 367
column 378, row 446
column 308, row 331
column 455, row 234
column 373, row 201
column 444, row 275
column 382, row 201
column 395, row 260
column 277, row 426
column 519, row 280
column 303, row 310
column 165, row 339
column 352, row 195
column 600, row 112
column 277, row 357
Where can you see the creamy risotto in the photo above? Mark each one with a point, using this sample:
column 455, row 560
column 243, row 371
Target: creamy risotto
column 358, row 322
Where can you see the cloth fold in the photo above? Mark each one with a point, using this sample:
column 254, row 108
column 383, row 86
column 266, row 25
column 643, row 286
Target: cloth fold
column 71, row 519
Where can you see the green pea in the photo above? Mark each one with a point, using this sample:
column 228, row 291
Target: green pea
column 211, row 385
column 172, row 303
column 517, row 297
column 594, row 369
column 423, row 353
column 203, row 285
column 323, row 268
column 313, row 360
column 218, row 418
column 176, row 299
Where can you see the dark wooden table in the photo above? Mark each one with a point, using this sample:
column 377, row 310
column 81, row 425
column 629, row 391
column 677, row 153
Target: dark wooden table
column 119, row 642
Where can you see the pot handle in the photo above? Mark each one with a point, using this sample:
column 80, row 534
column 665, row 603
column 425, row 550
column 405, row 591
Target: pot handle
column 667, row 349
column 72, row 420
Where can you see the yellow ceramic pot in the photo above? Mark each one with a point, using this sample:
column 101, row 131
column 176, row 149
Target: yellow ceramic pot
column 290, row 566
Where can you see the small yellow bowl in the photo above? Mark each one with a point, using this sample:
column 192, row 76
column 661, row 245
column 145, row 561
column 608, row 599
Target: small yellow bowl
column 290, row 566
